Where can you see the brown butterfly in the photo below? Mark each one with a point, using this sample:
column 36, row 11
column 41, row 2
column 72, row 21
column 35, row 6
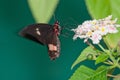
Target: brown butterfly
column 45, row 34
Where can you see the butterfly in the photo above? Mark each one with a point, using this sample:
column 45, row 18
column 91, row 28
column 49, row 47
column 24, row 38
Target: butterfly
column 45, row 34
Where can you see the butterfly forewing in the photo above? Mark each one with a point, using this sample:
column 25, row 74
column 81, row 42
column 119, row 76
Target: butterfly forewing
column 37, row 32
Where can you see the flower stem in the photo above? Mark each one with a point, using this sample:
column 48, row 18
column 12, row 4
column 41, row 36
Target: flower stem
column 113, row 76
column 113, row 60
column 90, row 44
column 101, row 47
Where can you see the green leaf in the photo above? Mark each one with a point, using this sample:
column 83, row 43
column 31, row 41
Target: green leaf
column 42, row 10
column 117, row 78
column 115, row 10
column 98, row 8
column 112, row 39
column 82, row 73
column 118, row 49
column 101, row 58
column 83, row 55
column 85, row 73
column 100, row 73
column 102, row 8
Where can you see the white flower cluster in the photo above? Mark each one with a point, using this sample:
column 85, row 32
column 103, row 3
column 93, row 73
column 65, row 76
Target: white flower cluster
column 95, row 29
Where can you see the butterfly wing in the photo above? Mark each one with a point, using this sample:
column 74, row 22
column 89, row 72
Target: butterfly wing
column 45, row 35
column 54, row 48
column 38, row 33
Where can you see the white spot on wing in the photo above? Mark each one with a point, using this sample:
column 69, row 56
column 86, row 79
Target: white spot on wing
column 37, row 31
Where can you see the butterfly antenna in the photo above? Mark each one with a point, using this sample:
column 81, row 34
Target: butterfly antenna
column 54, row 17
column 74, row 21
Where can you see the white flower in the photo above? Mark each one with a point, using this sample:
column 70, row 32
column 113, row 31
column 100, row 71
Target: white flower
column 112, row 29
column 96, row 37
column 95, row 29
column 103, row 30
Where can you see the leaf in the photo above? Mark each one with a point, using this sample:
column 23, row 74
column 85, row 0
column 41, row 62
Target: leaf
column 100, row 73
column 85, row 73
column 112, row 39
column 102, row 8
column 82, row 73
column 115, row 10
column 101, row 58
column 83, row 55
column 42, row 10
column 118, row 49
column 98, row 8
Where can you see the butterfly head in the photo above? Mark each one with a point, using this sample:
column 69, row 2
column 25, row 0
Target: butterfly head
column 57, row 28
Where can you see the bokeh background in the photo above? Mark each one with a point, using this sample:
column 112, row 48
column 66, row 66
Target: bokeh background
column 22, row 59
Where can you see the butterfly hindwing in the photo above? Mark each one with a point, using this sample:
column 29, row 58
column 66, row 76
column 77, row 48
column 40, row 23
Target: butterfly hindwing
column 54, row 48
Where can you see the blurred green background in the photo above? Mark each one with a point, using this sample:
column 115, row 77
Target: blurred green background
column 22, row 59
